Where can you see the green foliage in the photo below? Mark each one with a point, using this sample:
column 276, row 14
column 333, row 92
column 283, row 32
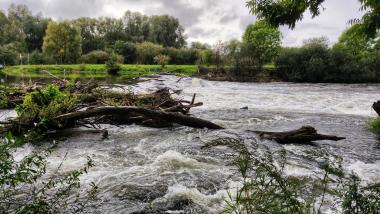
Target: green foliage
column 127, row 50
column 63, row 42
column 24, row 187
column 84, row 71
column 162, row 60
column 95, row 57
column 288, row 12
column 112, row 66
column 316, row 62
column 182, row 56
column 375, row 124
column 36, row 58
column 92, row 40
column 262, row 41
column 265, row 189
column 358, row 199
column 166, row 31
column 146, row 52
column 284, row 12
column 205, row 57
column 268, row 191
column 8, row 54
column 39, row 108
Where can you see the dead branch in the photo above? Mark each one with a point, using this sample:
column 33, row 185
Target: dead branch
column 304, row 135
column 376, row 107
column 168, row 117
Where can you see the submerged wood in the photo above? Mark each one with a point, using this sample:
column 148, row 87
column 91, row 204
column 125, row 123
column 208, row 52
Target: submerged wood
column 376, row 107
column 304, row 135
column 147, row 114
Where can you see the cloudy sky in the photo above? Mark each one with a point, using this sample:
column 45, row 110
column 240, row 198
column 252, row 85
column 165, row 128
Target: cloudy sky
column 204, row 20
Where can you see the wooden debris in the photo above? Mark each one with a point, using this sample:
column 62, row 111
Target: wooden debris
column 304, row 135
column 376, row 107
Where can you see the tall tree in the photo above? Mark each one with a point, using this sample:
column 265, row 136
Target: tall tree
column 288, row 12
column 62, row 42
column 111, row 30
column 167, row 31
column 136, row 26
column 91, row 38
column 33, row 27
column 353, row 41
column 262, row 41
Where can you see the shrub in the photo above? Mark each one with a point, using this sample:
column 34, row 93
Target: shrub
column 112, row 66
column 266, row 189
column 24, row 187
column 205, row 57
column 127, row 50
column 316, row 62
column 162, row 60
column 182, row 56
column 146, row 52
column 8, row 54
column 36, row 58
column 375, row 124
column 95, row 57
column 40, row 107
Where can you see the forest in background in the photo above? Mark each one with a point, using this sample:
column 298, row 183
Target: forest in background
column 32, row 39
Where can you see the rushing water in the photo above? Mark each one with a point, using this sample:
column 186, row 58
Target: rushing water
column 167, row 170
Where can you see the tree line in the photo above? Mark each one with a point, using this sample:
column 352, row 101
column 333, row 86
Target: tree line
column 31, row 38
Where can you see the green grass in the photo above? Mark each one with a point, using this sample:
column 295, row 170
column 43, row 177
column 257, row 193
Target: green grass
column 94, row 71
column 375, row 124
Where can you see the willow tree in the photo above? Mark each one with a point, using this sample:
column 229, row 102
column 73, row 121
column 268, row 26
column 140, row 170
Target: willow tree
column 63, row 42
column 288, row 12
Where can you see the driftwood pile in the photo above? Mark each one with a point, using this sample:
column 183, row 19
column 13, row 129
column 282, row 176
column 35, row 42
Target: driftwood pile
column 98, row 105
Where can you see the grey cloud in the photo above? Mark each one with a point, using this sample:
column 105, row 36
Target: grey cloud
column 204, row 20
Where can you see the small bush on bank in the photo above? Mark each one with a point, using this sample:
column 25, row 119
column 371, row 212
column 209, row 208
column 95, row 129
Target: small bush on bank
column 95, row 57
column 112, row 66
column 162, row 60
column 375, row 124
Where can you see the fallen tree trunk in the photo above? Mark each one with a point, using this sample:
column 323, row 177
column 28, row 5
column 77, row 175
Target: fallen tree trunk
column 166, row 117
column 304, row 135
column 376, row 107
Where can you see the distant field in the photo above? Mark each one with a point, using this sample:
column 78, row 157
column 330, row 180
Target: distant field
column 94, row 71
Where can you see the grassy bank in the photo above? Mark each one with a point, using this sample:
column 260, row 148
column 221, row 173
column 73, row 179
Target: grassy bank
column 94, row 71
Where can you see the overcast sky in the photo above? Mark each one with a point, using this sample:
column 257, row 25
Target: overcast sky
column 204, row 20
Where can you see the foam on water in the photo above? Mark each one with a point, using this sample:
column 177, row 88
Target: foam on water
column 285, row 97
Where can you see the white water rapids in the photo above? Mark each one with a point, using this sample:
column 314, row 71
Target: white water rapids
column 140, row 167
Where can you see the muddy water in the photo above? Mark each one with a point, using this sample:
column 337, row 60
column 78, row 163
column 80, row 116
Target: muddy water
column 162, row 170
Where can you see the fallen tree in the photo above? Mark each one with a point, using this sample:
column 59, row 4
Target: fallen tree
column 146, row 116
column 304, row 135
column 65, row 106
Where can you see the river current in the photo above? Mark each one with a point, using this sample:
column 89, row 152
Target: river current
column 139, row 168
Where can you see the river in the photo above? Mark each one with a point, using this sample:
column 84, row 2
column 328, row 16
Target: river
column 138, row 167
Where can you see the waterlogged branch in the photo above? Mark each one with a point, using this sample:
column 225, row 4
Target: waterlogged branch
column 168, row 117
column 376, row 107
column 304, row 135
